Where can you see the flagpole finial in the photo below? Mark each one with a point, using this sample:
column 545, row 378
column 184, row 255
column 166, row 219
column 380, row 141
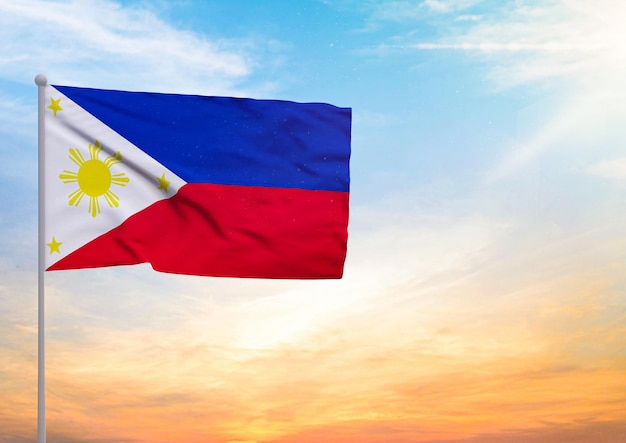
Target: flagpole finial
column 41, row 80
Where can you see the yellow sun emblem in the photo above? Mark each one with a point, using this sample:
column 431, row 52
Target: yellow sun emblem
column 94, row 178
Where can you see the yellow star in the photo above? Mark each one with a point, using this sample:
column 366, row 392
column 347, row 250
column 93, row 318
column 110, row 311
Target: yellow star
column 163, row 183
column 55, row 106
column 54, row 246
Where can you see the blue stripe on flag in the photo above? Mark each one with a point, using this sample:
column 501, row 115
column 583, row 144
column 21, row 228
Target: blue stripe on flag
column 231, row 141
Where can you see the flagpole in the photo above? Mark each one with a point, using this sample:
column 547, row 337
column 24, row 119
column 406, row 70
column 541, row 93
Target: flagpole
column 41, row 81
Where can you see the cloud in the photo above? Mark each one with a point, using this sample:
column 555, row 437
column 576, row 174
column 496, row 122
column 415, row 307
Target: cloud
column 404, row 11
column 553, row 125
column 507, row 47
column 447, row 6
column 436, row 318
column 468, row 17
column 15, row 118
column 614, row 169
column 106, row 44
column 523, row 41
column 542, row 45
column 17, row 123
column 575, row 49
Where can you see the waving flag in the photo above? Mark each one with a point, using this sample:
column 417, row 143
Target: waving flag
column 195, row 185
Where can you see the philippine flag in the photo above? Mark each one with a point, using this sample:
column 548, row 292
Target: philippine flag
column 196, row 185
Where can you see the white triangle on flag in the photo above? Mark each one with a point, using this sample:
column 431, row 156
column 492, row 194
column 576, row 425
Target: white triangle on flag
column 133, row 177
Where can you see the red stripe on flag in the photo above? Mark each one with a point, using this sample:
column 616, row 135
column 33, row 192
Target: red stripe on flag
column 229, row 231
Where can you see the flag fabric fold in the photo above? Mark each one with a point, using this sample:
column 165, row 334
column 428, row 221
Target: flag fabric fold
column 197, row 185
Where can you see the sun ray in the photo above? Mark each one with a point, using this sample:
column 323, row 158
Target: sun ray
column 111, row 199
column 76, row 156
column 75, row 197
column 69, row 176
column 119, row 179
column 94, row 150
column 113, row 159
column 94, row 206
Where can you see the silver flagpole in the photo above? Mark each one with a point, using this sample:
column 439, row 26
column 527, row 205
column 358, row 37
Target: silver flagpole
column 41, row 81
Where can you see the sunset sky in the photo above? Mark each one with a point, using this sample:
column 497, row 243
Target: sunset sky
column 484, row 294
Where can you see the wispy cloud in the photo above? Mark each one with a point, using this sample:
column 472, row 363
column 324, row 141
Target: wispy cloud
column 612, row 169
column 369, row 358
column 15, row 116
column 103, row 43
column 406, row 10
column 545, row 126
column 425, row 301
column 576, row 47
column 568, row 39
column 545, row 40
column 507, row 47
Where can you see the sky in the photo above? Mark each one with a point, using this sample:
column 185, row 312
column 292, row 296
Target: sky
column 484, row 294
